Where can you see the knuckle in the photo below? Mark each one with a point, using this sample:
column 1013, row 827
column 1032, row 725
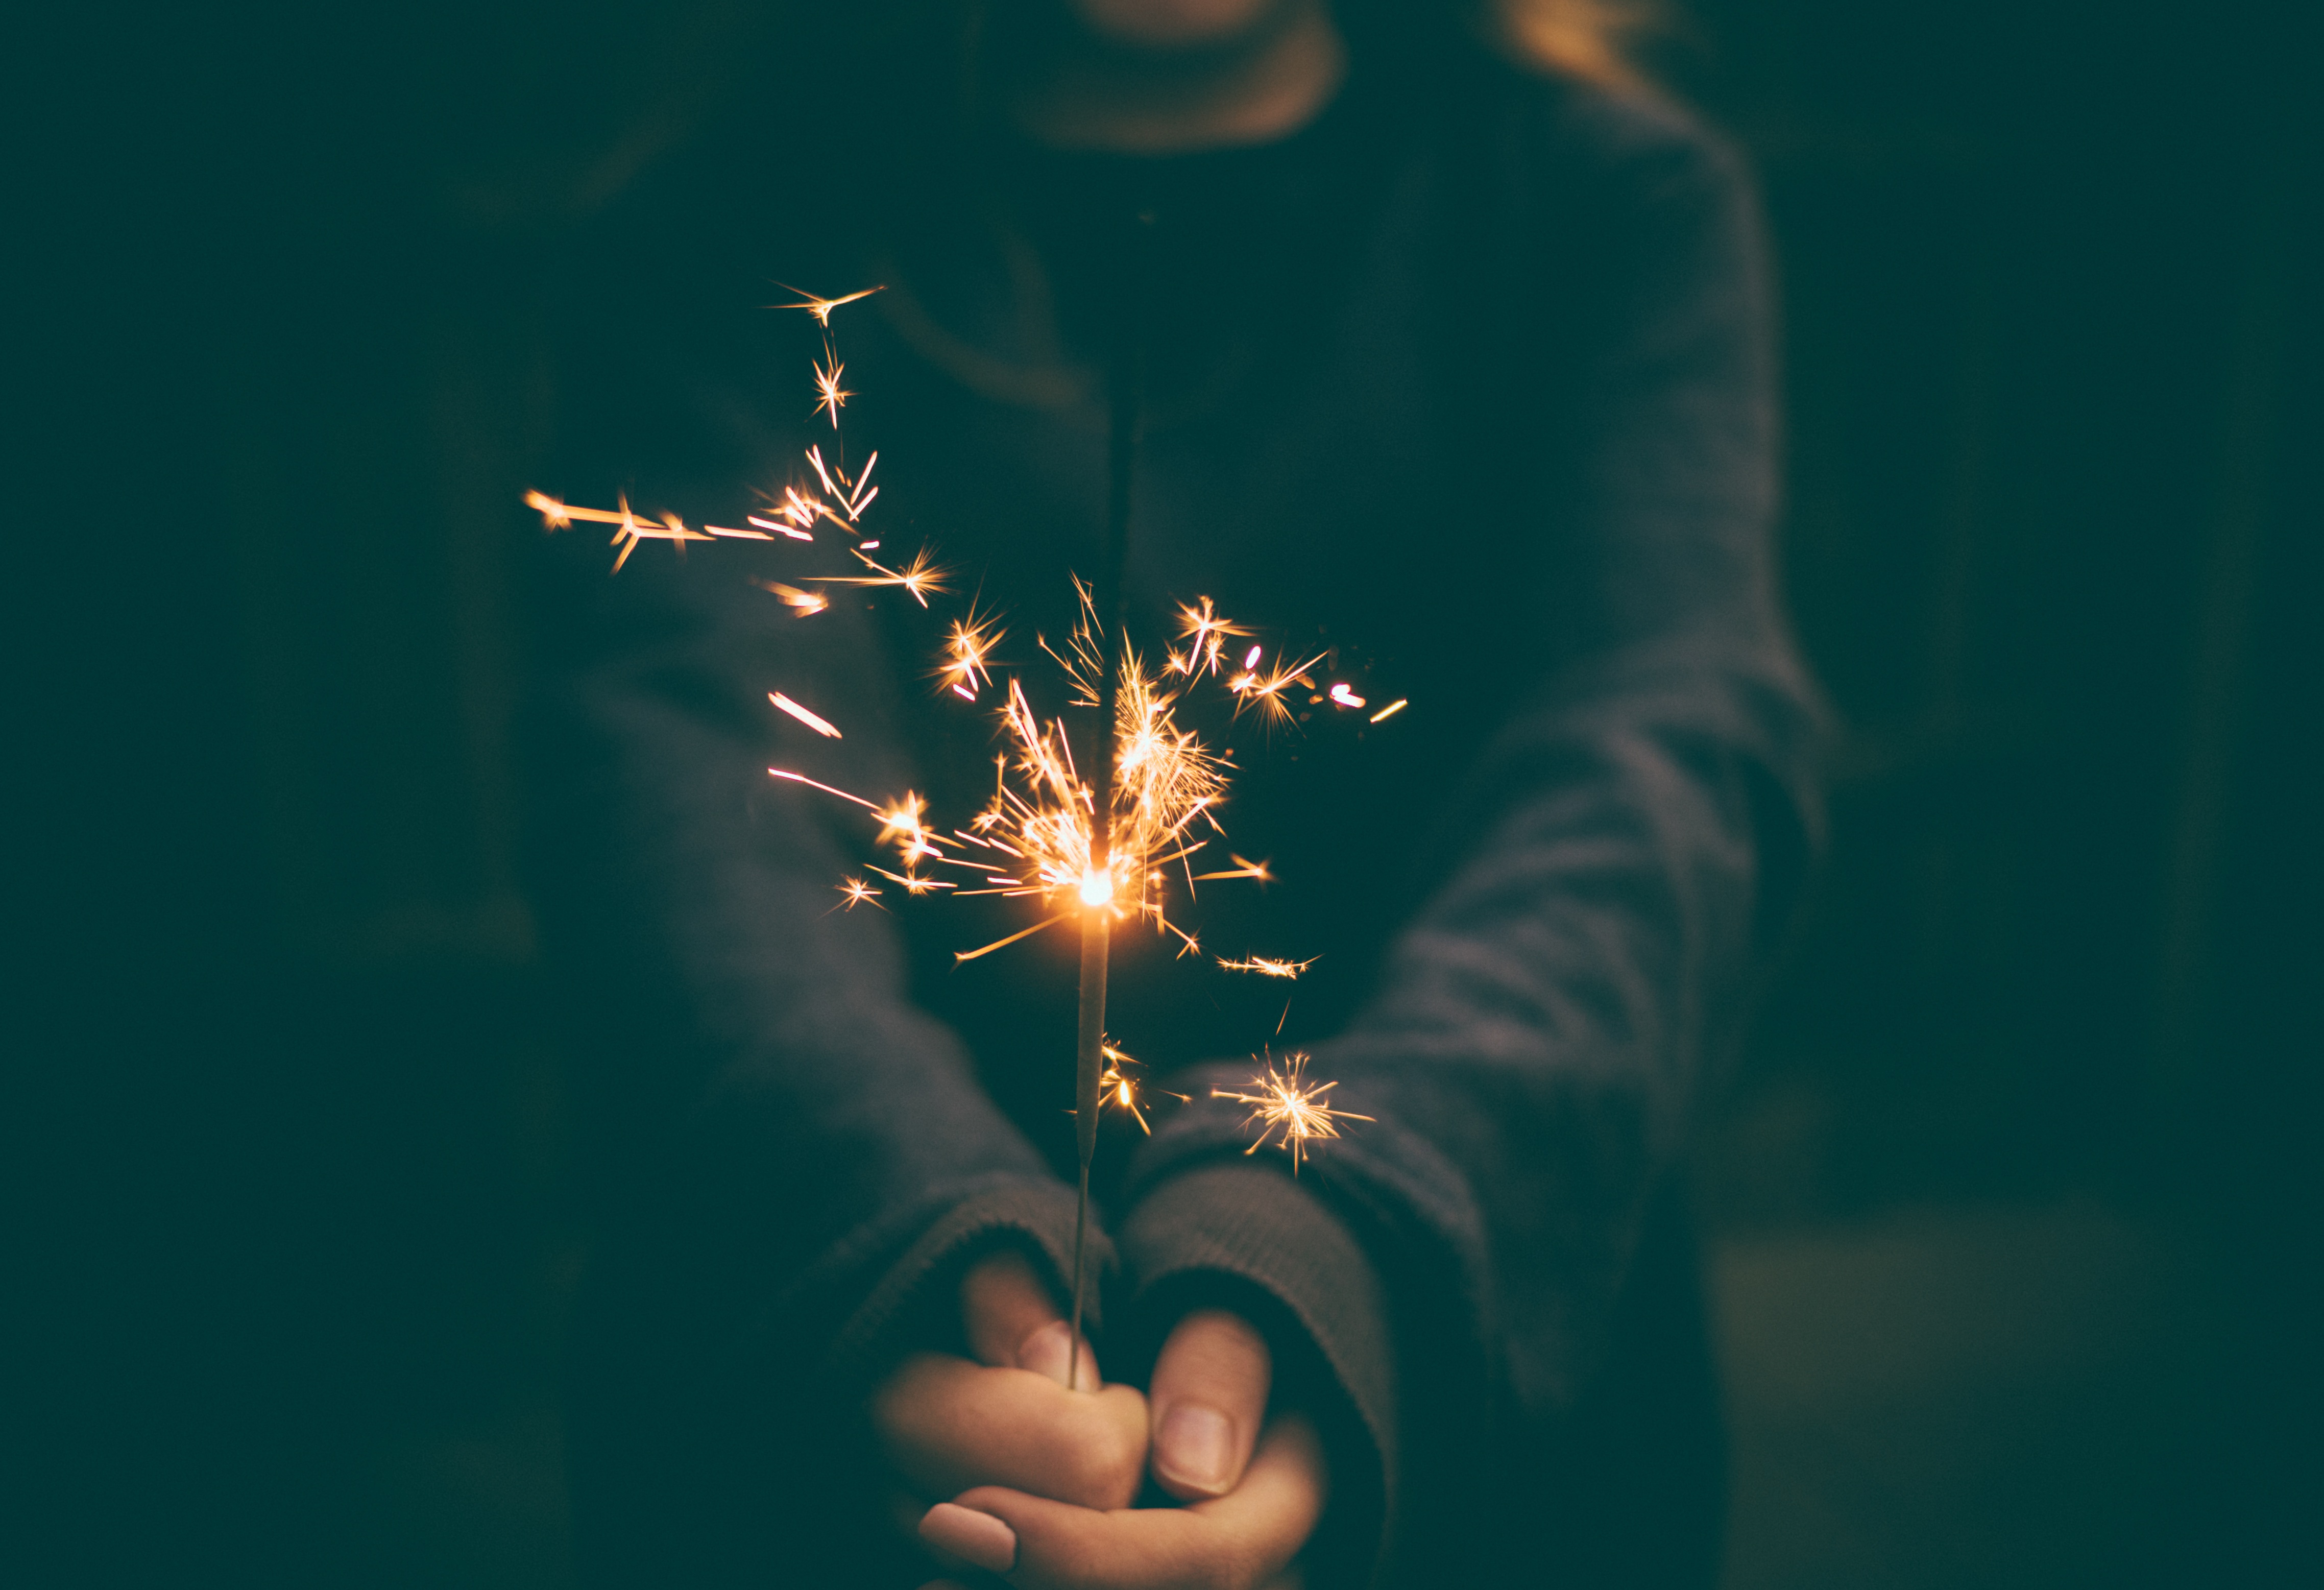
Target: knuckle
column 1103, row 1475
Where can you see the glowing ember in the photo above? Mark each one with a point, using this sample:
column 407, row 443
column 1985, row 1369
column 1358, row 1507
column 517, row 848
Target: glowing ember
column 806, row 602
column 1119, row 1087
column 1289, row 1108
column 1266, row 968
column 819, row 724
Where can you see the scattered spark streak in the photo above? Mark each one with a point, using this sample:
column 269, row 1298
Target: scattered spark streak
column 795, row 534
column 1266, row 968
column 1390, row 711
column 863, row 489
column 1254, row 870
column 901, row 822
column 821, row 308
column 802, row 779
column 807, row 602
column 968, row 653
column 1118, row 1086
column 815, row 457
column 1206, row 634
column 855, row 497
column 1250, row 659
column 859, row 892
column 554, row 515
column 739, row 535
column 634, row 530
column 628, row 528
column 820, row 726
column 1266, row 695
column 1288, row 1107
column 920, row 578
column 826, row 383
column 1345, row 696
column 969, row 955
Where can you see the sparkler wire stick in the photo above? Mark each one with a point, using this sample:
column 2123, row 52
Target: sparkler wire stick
column 1126, row 377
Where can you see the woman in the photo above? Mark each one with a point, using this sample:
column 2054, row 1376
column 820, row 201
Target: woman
column 1457, row 354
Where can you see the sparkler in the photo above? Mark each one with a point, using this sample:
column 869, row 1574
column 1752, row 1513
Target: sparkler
column 1100, row 848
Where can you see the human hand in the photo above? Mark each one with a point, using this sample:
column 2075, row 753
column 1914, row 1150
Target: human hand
column 1247, row 1540
column 1249, row 1518
column 1004, row 1417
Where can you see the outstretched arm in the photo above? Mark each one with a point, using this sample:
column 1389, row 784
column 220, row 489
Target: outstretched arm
column 1541, row 1034
column 835, row 1165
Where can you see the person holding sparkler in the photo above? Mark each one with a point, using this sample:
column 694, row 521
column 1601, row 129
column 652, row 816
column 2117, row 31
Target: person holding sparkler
column 1457, row 368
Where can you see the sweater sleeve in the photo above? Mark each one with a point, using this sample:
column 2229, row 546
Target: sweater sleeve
column 1540, row 1037
column 839, row 1164
column 1249, row 1238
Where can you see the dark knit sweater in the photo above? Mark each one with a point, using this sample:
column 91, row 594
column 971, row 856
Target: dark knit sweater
column 1471, row 379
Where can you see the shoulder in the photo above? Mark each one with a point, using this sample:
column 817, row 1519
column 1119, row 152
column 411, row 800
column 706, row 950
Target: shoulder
column 1556, row 142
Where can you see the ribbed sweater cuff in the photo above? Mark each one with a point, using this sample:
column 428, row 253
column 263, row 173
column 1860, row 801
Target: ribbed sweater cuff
column 1250, row 1238
column 917, row 1303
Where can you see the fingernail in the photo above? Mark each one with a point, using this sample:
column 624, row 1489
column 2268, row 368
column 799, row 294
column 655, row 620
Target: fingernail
column 1195, row 1446
column 1050, row 1350
column 972, row 1536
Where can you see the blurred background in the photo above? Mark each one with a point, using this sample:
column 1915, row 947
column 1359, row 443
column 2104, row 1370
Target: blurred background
column 2014, row 1199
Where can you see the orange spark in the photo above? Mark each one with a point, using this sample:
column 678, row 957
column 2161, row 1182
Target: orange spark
column 1267, row 967
column 1118, row 1086
column 821, row 308
column 826, row 383
column 1287, row 1106
column 968, row 653
column 920, row 577
column 807, row 602
column 1206, row 634
column 1265, row 695
column 820, row 726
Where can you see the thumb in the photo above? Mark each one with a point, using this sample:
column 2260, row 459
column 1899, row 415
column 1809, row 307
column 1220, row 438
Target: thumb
column 1013, row 1321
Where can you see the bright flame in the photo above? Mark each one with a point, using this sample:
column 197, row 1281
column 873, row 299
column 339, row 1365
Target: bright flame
column 1097, row 888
